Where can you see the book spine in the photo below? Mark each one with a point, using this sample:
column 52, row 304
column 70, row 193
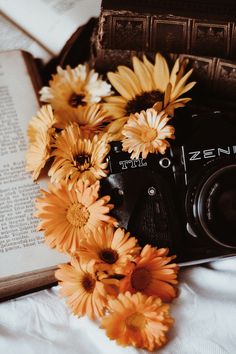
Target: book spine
column 211, row 73
column 135, row 31
column 214, row 74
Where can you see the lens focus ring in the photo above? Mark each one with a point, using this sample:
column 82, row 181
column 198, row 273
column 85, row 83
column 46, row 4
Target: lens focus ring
column 211, row 205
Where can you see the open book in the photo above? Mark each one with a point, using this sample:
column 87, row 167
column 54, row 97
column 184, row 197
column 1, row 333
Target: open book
column 44, row 26
column 25, row 262
column 41, row 28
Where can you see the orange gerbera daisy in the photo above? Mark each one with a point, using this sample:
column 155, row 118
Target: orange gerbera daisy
column 69, row 215
column 40, row 133
column 70, row 88
column 138, row 320
column 42, row 123
column 111, row 249
column 77, row 158
column 145, row 87
column 37, row 155
column 152, row 274
column 85, row 294
column 146, row 133
column 90, row 118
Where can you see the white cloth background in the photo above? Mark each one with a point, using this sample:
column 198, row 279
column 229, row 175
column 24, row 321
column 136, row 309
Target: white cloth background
column 204, row 312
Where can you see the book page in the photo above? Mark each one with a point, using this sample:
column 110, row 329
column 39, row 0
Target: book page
column 51, row 22
column 22, row 249
column 12, row 37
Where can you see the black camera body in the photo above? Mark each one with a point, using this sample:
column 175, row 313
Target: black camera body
column 185, row 199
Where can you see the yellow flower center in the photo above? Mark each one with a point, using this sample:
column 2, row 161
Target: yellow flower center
column 136, row 321
column 148, row 135
column 88, row 283
column 77, row 215
column 108, row 255
column 140, row 279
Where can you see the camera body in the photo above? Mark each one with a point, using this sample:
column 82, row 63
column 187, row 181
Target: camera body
column 185, row 199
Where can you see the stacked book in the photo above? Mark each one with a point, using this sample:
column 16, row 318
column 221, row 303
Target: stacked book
column 202, row 31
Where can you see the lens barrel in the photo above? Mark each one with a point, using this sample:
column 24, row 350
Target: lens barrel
column 211, row 204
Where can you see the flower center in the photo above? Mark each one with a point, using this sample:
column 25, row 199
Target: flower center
column 77, row 215
column 140, row 279
column 108, row 255
column 144, row 101
column 148, row 135
column 82, row 162
column 82, row 159
column 136, row 321
column 76, row 100
column 88, row 283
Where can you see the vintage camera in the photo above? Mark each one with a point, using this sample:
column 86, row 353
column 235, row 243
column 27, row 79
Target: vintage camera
column 185, row 199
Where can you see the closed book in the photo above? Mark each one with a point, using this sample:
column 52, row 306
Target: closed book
column 205, row 28
column 214, row 76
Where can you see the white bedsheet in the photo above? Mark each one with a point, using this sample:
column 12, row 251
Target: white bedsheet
column 205, row 319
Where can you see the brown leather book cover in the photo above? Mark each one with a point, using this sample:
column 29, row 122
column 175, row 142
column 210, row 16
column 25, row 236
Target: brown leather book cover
column 205, row 28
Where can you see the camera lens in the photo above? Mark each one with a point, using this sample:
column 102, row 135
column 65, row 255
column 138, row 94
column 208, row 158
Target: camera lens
column 213, row 204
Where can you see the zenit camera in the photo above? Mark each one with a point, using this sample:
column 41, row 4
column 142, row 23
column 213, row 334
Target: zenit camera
column 186, row 198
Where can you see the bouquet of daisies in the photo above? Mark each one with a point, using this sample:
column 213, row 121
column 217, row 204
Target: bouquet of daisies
column 109, row 275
